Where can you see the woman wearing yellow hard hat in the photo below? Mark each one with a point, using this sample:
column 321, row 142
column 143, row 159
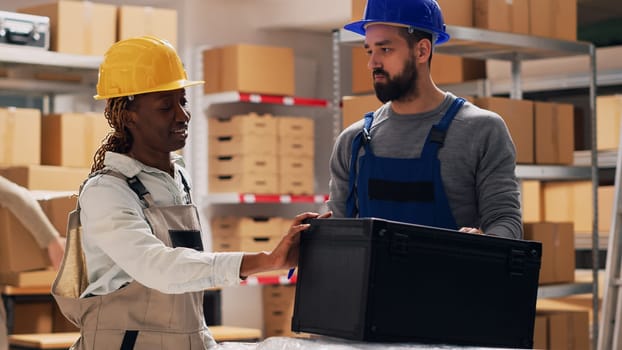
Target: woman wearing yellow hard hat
column 134, row 272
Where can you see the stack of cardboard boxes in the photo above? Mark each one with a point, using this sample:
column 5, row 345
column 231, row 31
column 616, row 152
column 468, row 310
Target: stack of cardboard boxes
column 245, row 234
column 296, row 155
column 89, row 28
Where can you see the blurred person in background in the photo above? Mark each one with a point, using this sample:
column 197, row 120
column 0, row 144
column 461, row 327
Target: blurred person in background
column 20, row 202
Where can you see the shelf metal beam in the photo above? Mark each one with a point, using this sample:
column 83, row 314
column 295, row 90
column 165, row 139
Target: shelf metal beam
column 553, row 172
column 34, row 56
column 488, row 44
column 554, row 291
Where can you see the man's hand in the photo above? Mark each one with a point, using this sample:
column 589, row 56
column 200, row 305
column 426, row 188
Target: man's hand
column 471, row 230
column 56, row 250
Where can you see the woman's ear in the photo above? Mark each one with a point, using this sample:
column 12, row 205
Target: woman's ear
column 130, row 118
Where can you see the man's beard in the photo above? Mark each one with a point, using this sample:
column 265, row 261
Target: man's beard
column 399, row 87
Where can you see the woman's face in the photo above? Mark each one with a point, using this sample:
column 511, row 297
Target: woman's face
column 159, row 121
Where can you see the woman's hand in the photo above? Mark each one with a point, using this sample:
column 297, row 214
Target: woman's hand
column 285, row 255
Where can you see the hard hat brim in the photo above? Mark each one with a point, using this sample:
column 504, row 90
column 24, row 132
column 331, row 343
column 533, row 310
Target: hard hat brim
column 179, row 84
column 359, row 27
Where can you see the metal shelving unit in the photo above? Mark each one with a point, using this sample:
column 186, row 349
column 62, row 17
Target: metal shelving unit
column 515, row 48
column 24, row 66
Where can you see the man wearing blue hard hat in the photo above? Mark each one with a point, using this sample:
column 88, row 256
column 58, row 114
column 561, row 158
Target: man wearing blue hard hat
column 426, row 156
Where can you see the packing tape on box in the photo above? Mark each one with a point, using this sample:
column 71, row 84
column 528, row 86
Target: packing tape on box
column 89, row 135
column 7, row 131
column 149, row 16
column 88, row 26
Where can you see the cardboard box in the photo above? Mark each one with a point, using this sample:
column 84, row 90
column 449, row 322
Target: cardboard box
column 358, row 9
column 447, row 69
column 569, row 201
column 354, row 108
column 72, row 139
column 46, row 178
column 519, row 117
column 146, row 20
column 554, row 130
column 19, row 251
column 558, row 254
column 606, row 197
column 609, row 114
column 296, row 146
column 244, row 183
column 243, row 124
column 33, row 317
column 362, row 80
column 553, row 19
column 566, row 329
column 247, row 226
column 20, row 135
column 35, row 278
column 296, row 165
column 455, row 12
column 79, row 27
column 278, row 308
column 244, row 244
column 531, row 201
column 251, row 234
column 511, row 16
column 239, row 164
column 242, row 145
column 540, row 332
column 57, row 208
column 302, row 127
column 296, row 184
column 249, row 68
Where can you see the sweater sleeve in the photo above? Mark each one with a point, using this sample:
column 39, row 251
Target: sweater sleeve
column 496, row 184
column 27, row 210
column 118, row 242
column 339, row 168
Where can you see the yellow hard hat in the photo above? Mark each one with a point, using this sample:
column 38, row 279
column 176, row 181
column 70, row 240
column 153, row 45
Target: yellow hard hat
column 140, row 65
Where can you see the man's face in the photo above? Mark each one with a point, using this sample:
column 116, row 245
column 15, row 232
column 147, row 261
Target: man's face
column 160, row 121
column 392, row 64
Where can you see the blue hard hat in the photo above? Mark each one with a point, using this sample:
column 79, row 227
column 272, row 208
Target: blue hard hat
column 423, row 15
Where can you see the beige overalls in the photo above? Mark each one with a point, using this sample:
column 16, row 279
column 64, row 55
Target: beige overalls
column 134, row 316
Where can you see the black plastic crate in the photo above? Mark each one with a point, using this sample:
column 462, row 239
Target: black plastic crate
column 382, row 281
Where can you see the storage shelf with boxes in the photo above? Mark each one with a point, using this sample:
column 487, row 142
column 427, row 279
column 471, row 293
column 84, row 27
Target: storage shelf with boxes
column 259, row 141
column 263, row 165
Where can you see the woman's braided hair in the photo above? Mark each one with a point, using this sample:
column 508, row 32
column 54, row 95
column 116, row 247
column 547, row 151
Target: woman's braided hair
column 120, row 139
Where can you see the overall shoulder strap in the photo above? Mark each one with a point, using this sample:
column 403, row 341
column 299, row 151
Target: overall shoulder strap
column 438, row 131
column 363, row 137
column 186, row 186
column 135, row 184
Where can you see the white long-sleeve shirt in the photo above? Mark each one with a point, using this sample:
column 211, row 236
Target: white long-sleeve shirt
column 120, row 247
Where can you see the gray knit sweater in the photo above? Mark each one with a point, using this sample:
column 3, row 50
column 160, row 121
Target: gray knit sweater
column 478, row 161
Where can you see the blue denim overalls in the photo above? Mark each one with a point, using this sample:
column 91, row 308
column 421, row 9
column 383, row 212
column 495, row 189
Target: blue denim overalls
column 406, row 190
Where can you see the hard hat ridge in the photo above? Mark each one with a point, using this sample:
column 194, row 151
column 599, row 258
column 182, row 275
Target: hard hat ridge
column 140, row 65
column 422, row 15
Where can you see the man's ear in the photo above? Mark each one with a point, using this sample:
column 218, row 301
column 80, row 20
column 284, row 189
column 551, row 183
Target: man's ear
column 423, row 51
